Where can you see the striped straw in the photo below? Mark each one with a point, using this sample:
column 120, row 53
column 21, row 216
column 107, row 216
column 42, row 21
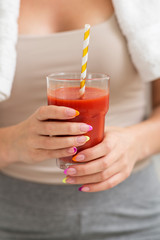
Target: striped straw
column 84, row 59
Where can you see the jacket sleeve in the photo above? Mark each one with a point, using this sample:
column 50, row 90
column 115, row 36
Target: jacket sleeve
column 9, row 12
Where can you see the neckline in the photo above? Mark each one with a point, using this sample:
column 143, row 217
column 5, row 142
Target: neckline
column 32, row 36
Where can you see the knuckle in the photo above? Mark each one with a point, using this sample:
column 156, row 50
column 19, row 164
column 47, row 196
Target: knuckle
column 103, row 175
column 104, row 164
column 41, row 111
column 70, row 128
column 109, row 144
column 109, row 173
column 108, row 147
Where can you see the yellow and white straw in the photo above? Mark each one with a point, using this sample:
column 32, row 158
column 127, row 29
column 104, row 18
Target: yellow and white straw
column 84, row 59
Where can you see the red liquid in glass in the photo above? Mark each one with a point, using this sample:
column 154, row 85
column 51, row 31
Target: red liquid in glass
column 92, row 107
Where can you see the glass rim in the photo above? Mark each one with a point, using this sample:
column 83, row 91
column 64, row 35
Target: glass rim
column 100, row 76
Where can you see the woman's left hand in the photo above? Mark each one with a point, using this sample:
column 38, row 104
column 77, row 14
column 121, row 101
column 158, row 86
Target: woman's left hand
column 106, row 164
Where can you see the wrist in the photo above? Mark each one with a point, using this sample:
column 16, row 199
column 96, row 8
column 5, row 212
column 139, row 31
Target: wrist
column 146, row 139
column 5, row 147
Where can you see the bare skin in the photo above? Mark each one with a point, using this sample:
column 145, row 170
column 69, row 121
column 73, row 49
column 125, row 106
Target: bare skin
column 29, row 140
column 106, row 164
column 50, row 16
column 112, row 161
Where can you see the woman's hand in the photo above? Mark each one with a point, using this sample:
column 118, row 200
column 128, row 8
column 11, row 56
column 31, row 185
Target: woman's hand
column 40, row 136
column 111, row 162
column 106, row 164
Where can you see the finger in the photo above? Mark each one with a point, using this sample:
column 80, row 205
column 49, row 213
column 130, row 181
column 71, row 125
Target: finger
column 102, row 186
column 55, row 112
column 63, row 128
column 97, row 176
column 40, row 155
column 89, row 154
column 46, row 142
column 94, row 178
column 95, row 166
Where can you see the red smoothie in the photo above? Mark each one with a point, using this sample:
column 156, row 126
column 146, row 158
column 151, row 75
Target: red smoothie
column 92, row 107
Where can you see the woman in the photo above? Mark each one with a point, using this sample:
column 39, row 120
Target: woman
column 34, row 203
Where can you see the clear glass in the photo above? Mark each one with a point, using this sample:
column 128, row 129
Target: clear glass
column 63, row 90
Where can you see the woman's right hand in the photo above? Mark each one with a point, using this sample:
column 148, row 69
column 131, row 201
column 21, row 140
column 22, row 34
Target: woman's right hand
column 41, row 137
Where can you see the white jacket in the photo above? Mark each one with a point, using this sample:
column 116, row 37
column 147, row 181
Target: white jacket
column 139, row 21
column 9, row 11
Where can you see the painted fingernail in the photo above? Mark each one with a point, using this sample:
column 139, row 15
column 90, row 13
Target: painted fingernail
column 83, row 139
column 70, row 171
column 84, row 189
column 65, row 171
column 79, row 157
column 70, row 180
column 85, row 127
column 72, row 150
column 71, row 112
column 64, row 180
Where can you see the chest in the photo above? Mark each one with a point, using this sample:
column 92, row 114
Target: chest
column 49, row 16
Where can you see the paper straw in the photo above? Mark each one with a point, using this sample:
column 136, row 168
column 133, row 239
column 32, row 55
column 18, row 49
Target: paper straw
column 84, row 59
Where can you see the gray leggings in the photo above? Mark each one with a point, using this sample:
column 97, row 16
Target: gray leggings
column 130, row 211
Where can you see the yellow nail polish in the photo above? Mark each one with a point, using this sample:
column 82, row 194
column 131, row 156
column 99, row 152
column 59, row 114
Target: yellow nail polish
column 87, row 138
column 77, row 113
column 64, row 180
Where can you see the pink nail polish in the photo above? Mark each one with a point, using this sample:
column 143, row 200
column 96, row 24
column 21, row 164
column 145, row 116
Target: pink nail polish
column 75, row 149
column 65, row 171
column 85, row 127
column 72, row 150
column 90, row 128
column 84, row 189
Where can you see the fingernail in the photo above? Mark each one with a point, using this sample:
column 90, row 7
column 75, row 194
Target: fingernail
column 83, row 139
column 64, row 180
column 84, row 189
column 71, row 112
column 70, row 180
column 70, row 171
column 79, row 157
column 72, row 150
column 85, row 127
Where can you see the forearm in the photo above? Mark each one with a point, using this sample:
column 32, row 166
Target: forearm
column 147, row 135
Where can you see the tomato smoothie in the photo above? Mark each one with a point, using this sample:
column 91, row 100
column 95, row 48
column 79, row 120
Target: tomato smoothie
column 92, row 108
column 63, row 89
